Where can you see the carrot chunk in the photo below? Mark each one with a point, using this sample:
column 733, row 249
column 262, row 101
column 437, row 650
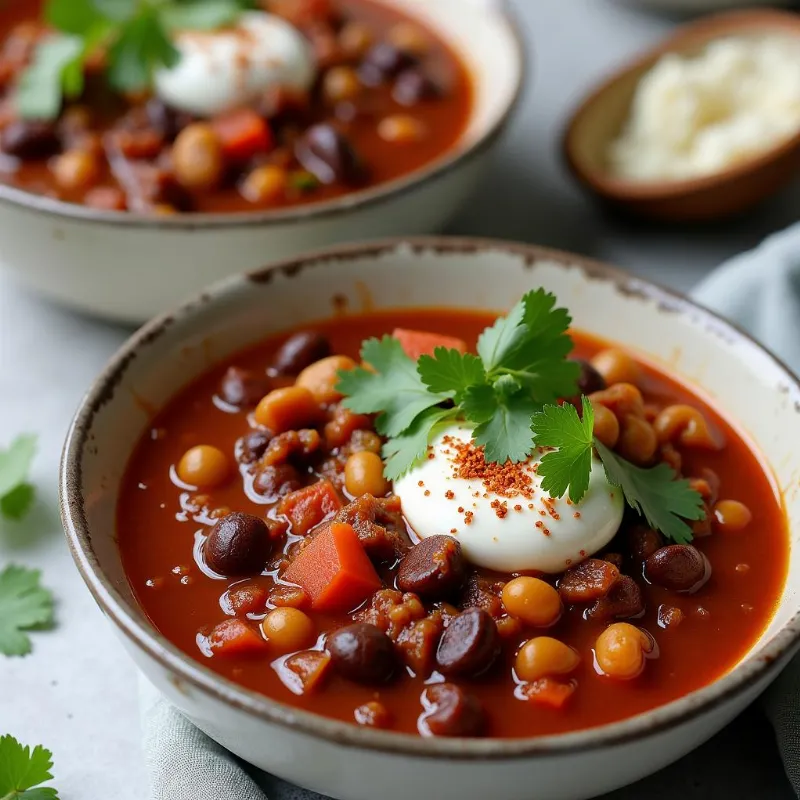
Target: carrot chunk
column 236, row 638
column 243, row 134
column 549, row 692
column 334, row 570
column 307, row 507
column 421, row 343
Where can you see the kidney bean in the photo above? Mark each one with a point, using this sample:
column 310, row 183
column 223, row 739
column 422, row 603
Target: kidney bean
column 241, row 387
column 276, row 480
column 300, row 351
column 622, row 602
column 678, row 567
column 30, row 139
column 433, row 569
column 589, row 379
column 643, row 542
column 413, row 86
column 238, row 545
column 450, row 711
column 383, row 61
column 470, row 644
column 328, row 155
column 362, row 653
column 252, row 446
column 590, row 580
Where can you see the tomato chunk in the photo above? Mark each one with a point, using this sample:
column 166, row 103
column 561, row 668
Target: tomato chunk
column 549, row 692
column 306, row 508
column 334, row 570
column 421, row 343
column 243, row 134
column 236, row 638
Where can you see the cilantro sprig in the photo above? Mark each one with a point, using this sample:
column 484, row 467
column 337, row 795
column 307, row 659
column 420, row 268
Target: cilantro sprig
column 23, row 770
column 509, row 391
column 16, row 492
column 132, row 36
column 24, row 606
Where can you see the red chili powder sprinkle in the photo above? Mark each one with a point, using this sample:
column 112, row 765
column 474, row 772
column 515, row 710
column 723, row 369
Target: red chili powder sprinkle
column 421, row 483
column 530, row 506
column 427, row 493
column 577, row 515
column 500, row 508
column 539, row 523
column 518, row 507
column 461, row 509
column 546, row 531
column 449, row 494
column 453, row 530
column 468, row 517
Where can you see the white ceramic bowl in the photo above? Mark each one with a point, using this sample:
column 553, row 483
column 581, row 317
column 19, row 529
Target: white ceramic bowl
column 353, row 763
column 129, row 267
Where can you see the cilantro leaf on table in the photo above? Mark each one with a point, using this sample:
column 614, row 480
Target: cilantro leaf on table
column 406, row 450
column 22, row 770
column 24, row 606
column 569, row 467
column 662, row 499
column 394, row 390
column 16, row 493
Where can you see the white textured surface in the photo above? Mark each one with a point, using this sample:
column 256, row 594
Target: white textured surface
column 77, row 693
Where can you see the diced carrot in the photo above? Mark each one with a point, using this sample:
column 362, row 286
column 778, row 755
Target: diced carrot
column 243, row 134
column 334, row 570
column 549, row 692
column 306, row 671
column 236, row 638
column 307, row 507
column 421, row 343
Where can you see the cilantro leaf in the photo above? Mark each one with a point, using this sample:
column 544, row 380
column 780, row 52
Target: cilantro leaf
column 201, row 14
column 450, row 371
column 503, row 337
column 40, row 90
column 664, row 501
column 73, row 16
column 22, row 769
column 16, row 494
column 404, row 452
column 394, row 390
column 507, row 435
column 570, row 466
column 24, row 605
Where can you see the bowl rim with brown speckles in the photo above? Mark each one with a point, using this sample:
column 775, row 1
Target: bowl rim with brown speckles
column 186, row 670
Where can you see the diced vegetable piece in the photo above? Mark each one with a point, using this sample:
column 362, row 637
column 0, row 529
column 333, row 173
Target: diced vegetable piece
column 236, row 638
column 334, row 570
column 243, row 134
column 247, row 598
column 306, row 671
column 307, row 507
column 549, row 692
column 421, row 343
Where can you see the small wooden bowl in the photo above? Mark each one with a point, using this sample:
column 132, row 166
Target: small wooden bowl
column 601, row 116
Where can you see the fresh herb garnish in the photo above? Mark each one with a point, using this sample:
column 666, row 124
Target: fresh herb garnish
column 22, row 771
column 16, row 493
column 133, row 37
column 24, row 605
column 509, row 391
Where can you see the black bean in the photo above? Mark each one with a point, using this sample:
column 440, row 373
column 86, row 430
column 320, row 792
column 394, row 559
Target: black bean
column 276, row 481
column 300, row 351
column 328, row 155
column 413, row 86
column 383, row 61
column 30, row 139
column 589, row 379
column 450, row 711
column 362, row 653
column 243, row 388
column 678, row 567
column 470, row 644
column 252, row 446
column 238, row 545
column 433, row 569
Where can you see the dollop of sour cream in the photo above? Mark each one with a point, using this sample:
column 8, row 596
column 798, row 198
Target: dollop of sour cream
column 220, row 70
column 501, row 515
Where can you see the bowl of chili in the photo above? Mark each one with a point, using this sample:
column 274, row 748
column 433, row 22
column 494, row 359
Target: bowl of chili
column 349, row 118
column 360, row 611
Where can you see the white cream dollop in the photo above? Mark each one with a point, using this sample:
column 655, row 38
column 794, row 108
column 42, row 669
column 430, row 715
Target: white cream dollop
column 503, row 531
column 220, row 70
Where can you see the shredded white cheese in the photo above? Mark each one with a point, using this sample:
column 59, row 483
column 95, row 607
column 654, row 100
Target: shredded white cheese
column 694, row 116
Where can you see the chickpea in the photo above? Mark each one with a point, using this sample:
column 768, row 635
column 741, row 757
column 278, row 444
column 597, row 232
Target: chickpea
column 355, row 39
column 544, row 656
column 621, row 398
column 637, row 440
column 533, row 601
column 203, row 466
column 321, row 378
column 340, row 84
column 265, row 184
column 606, row 425
column 401, row 129
column 197, row 157
column 731, row 516
column 620, row 650
column 288, row 630
column 363, row 474
column 76, row 169
column 287, row 409
column 616, row 366
column 682, row 424
column 409, row 38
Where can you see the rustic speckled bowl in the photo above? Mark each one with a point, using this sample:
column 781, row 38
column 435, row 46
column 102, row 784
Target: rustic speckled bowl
column 740, row 378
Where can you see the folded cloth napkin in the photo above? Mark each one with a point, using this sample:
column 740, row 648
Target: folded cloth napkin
column 759, row 290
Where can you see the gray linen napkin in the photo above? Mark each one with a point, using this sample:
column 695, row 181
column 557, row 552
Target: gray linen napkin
column 761, row 291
